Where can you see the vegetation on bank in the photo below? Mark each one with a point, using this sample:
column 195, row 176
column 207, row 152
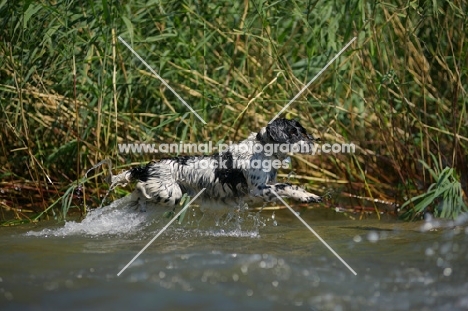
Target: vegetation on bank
column 70, row 91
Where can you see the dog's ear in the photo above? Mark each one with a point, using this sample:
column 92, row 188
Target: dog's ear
column 276, row 132
column 302, row 130
column 287, row 131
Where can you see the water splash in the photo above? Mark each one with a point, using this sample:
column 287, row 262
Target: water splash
column 236, row 233
column 114, row 219
column 120, row 218
column 108, row 177
column 273, row 217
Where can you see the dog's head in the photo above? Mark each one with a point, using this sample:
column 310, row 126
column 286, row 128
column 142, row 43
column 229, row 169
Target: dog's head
column 287, row 132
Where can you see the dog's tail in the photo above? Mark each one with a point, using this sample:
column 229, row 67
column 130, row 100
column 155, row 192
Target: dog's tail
column 120, row 179
column 136, row 173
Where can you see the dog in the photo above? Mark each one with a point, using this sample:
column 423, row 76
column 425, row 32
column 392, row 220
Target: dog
column 242, row 174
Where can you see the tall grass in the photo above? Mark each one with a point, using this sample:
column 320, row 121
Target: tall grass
column 444, row 198
column 70, row 92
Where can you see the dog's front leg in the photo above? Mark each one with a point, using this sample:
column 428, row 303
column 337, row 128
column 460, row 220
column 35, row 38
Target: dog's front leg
column 285, row 190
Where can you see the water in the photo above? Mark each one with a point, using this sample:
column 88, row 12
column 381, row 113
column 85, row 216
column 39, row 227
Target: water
column 269, row 262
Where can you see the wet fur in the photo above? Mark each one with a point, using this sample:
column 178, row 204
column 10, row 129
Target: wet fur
column 165, row 181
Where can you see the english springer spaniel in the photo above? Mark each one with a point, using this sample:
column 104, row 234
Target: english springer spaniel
column 243, row 173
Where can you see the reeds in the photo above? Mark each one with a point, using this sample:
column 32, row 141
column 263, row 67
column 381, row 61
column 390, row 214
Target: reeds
column 444, row 198
column 70, row 92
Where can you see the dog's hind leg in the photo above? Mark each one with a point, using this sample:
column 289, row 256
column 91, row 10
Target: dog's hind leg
column 285, row 190
column 167, row 194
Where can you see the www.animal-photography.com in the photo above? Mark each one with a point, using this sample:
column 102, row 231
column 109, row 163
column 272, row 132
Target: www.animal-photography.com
column 255, row 155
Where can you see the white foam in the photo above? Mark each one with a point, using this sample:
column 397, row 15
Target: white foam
column 114, row 219
column 237, row 233
column 121, row 218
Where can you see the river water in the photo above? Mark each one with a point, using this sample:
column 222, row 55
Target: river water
column 266, row 261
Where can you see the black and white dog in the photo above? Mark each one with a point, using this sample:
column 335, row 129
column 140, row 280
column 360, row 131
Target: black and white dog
column 243, row 173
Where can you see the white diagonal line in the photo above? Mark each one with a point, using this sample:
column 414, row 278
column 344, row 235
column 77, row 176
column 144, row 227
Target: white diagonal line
column 314, row 78
column 160, row 78
column 161, row 231
column 315, row 233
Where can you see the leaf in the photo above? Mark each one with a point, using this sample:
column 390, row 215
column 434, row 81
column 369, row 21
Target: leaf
column 441, row 190
column 444, row 176
column 166, row 121
column 130, row 28
column 3, row 3
column 67, row 200
column 67, row 147
column 431, row 171
column 30, row 11
column 105, row 7
column 159, row 38
column 424, row 203
column 417, row 198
